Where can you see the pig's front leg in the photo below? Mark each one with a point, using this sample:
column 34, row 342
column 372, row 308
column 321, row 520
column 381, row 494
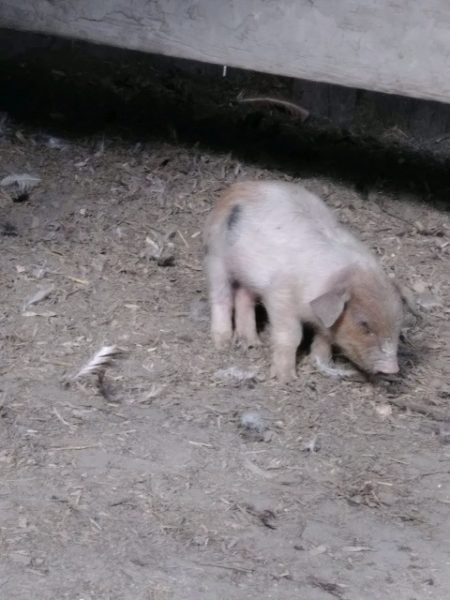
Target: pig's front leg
column 221, row 299
column 286, row 334
column 321, row 355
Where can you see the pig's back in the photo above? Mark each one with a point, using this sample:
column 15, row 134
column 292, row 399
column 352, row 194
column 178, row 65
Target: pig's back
column 282, row 231
column 285, row 214
column 270, row 233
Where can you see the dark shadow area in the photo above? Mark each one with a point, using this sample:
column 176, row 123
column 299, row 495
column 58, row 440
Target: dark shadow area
column 262, row 318
column 75, row 89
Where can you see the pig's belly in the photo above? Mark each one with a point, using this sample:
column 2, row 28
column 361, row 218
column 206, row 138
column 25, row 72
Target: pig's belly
column 260, row 272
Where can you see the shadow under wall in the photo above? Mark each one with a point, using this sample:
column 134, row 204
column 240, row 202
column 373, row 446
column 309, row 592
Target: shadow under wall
column 365, row 139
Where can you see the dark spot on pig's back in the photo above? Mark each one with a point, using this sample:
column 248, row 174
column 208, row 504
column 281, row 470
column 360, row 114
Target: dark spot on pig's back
column 233, row 217
column 232, row 222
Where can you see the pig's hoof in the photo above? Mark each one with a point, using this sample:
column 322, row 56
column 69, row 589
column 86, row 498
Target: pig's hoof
column 246, row 342
column 222, row 340
column 283, row 373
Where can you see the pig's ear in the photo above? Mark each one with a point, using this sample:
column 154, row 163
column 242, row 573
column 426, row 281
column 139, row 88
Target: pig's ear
column 329, row 306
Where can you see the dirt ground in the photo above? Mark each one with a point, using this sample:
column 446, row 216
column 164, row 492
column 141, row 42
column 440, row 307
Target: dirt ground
column 150, row 488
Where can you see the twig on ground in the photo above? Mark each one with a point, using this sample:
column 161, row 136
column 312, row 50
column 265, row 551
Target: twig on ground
column 290, row 106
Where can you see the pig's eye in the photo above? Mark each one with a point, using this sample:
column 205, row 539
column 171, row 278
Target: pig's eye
column 365, row 327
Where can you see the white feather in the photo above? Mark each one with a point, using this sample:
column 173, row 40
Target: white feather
column 24, row 181
column 100, row 361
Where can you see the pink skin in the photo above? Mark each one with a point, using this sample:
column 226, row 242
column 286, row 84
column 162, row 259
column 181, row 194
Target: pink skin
column 283, row 245
column 221, row 299
column 245, row 318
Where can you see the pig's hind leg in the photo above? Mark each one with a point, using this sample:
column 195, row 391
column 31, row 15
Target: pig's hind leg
column 221, row 300
column 245, row 318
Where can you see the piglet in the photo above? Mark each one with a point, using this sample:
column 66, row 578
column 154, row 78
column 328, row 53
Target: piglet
column 279, row 244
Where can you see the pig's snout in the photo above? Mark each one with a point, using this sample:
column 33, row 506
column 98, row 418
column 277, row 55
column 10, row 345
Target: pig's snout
column 377, row 361
column 387, row 362
column 388, row 366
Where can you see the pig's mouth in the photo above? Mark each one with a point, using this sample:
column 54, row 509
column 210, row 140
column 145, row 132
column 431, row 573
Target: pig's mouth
column 386, row 363
column 379, row 367
column 389, row 369
column 383, row 366
column 370, row 365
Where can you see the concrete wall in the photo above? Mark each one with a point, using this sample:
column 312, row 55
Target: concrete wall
column 381, row 45
column 419, row 124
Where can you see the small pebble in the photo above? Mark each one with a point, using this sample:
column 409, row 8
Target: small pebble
column 253, row 422
column 313, row 445
column 384, row 411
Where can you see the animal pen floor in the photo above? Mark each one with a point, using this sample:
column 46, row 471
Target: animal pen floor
column 150, row 489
